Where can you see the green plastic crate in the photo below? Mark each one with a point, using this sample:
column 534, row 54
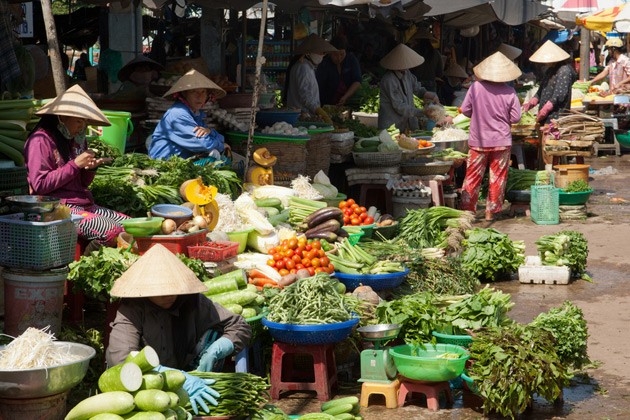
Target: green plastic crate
column 544, row 205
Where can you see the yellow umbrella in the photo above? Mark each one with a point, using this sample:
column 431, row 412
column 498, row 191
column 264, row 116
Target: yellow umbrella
column 617, row 17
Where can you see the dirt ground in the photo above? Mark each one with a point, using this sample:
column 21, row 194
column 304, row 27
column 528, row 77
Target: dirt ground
column 603, row 393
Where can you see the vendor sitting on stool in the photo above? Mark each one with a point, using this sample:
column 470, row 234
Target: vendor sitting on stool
column 163, row 306
column 182, row 131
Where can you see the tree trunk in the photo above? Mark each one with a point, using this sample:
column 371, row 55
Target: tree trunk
column 53, row 47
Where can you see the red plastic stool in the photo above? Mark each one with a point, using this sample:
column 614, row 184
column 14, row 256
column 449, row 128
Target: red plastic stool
column 367, row 200
column 430, row 389
column 286, row 375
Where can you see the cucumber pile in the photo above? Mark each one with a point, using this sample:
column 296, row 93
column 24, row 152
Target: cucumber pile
column 133, row 390
column 15, row 116
column 346, row 408
column 232, row 291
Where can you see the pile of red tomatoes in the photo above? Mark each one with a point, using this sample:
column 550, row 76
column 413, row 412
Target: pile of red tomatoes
column 354, row 214
column 295, row 254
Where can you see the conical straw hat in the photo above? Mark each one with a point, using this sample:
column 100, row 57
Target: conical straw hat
column 314, row 44
column 497, row 68
column 141, row 60
column 195, row 80
column 401, row 58
column 549, row 53
column 509, row 51
column 74, row 102
column 455, row 70
column 158, row 272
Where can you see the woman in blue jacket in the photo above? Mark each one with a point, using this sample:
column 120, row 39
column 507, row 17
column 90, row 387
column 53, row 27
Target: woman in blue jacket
column 182, row 131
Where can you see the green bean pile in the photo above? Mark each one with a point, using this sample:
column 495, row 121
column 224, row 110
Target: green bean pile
column 241, row 393
column 310, row 301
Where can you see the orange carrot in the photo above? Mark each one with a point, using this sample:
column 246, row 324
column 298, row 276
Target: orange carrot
column 257, row 274
column 259, row 281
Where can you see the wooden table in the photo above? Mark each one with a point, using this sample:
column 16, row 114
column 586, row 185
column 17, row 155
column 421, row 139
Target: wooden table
column 605, row 109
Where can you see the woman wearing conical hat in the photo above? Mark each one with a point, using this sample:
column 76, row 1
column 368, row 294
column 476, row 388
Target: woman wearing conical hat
column 61, row 165
column 492, row 106
column 163, row 306
column 301, row 90
column 182, row 130
column 554, row 93
column 397, row 88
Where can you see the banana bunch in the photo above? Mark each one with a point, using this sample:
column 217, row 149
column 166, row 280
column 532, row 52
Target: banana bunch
column 15, row 124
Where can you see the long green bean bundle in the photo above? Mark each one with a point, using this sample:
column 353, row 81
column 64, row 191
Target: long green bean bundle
column 310, row 301
column 241, row 393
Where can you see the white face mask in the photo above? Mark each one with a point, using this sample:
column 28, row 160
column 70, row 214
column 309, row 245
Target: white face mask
column 316, row 58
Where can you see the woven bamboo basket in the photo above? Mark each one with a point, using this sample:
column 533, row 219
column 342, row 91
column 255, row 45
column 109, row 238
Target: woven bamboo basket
column 318, row 154
column 430, row 168
column 290, row 151
column 375, row 159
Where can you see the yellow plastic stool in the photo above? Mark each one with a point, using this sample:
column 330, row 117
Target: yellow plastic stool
column 389, row 391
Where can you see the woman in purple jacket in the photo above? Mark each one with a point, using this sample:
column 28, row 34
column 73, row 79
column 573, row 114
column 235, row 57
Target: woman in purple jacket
column 492, row 106
column 59, row 163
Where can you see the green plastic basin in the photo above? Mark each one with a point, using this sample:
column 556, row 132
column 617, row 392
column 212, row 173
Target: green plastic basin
column 420, row 364
column 143, row 226
column 574, row 198
column 240, row 237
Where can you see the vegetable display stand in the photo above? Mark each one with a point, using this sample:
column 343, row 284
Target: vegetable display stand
column 318, row 148
column 431, row 390
column 290, row 150
column 287, row 375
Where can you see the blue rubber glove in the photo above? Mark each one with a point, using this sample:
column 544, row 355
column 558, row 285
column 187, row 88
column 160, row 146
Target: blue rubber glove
column 199, row 392
column 218, row 350
column 198, row 389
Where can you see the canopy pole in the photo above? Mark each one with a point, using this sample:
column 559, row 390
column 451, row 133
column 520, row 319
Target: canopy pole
column 53, row 47
column 260, row 60
column 585, row 49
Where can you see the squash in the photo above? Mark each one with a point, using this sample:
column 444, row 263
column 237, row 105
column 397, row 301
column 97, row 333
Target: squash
column 264, row 158
column 260, row 176
column 198, row 193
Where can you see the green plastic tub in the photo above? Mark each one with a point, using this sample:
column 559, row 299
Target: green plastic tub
column 574, row 198
column 240, row 237
column 420, row 364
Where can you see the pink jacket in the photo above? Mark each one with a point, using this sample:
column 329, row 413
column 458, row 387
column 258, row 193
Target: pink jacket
column 492, row 109
column 49, row 174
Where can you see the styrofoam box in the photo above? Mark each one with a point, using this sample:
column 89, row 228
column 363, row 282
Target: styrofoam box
column 533, row 272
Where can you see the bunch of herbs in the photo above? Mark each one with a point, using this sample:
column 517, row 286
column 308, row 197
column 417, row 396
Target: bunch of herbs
column 489, row 254
column 512, row 363
column 416, row 315
column 569, row 329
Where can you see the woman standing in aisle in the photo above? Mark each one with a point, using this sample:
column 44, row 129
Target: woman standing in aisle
column 398, row 87
column 301, row 90
column 61, row 165
column 492, row 106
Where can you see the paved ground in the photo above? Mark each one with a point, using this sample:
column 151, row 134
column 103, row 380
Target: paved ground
column 603, row 393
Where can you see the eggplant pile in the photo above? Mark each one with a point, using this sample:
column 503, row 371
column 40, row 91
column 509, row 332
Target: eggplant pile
column 324, row 223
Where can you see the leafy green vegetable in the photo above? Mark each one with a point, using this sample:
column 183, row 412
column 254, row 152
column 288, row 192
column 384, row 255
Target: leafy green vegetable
column 416, row 315
column 489, row 254
column 570, row 331
column 435, row 227
column 134, row 182
column 512, row 363
column 486, row 308
column 577, row 185
column 368, row 97
column 96, row 273
column 102, row 149
column 567, row 247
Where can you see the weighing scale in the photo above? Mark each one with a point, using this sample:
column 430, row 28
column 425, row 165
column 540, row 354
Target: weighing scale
column 33, row 206
column 376, row 363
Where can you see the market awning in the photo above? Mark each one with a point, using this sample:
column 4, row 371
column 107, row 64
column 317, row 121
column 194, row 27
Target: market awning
column 468, row 13
column 568, row 9
column 606, row 20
